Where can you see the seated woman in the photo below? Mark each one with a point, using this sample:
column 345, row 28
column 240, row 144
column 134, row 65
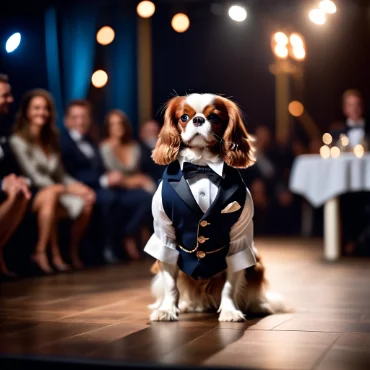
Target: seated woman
column 36, row 146
column 120, row 152
column 14, row 198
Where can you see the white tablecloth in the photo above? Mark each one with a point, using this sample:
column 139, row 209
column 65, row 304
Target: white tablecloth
column 319, row 180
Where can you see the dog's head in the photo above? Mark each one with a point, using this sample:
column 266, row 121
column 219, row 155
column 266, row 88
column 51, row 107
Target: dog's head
column 204, row 121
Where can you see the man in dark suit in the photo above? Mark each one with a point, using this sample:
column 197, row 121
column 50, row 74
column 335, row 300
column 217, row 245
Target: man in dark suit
column 82, row 160
column 14, row 189
column 357, row 129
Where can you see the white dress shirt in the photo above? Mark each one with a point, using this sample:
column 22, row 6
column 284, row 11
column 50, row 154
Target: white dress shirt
column 357, row 132
column 162, row 244
column 88, row 151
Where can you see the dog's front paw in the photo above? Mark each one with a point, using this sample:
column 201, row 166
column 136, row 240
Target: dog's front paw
column 161, row 314
column 231, row 315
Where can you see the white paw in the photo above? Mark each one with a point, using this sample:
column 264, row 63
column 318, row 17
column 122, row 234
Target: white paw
column 155, row 305
column 231, row 315
column 185, row 307
column 161, row 314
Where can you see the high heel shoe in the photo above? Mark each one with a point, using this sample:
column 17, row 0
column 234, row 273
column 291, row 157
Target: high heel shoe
column 40, row 264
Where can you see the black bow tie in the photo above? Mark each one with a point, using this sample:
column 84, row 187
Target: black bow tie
column 191, row 170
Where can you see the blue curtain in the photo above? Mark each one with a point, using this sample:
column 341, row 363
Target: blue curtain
column 70, row 51
column 121, row 64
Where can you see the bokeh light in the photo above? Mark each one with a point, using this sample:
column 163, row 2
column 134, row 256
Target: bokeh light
column 328, row 6
column 327, row 139
column 105, row 35
column 325, row 151
column 237, row 13
column 13, row 42
column 99, row 78
column 145, row 9
column 358, row 151
column 334, row 152
column 281, row 51
column 180, row 22
column 296, row 108
column 317, row 16
column 281, row 38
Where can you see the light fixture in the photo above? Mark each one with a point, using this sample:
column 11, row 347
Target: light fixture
column 328, row 6
column 13, row 42
column 180, row 22
column 281, row 38
column 298, row 53
column 145, row 9
column 105, row 35
column 99, row 78
column 281, row 51
column 237, row 13
column 317, row 16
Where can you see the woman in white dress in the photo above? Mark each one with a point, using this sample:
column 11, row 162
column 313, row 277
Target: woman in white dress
column 35, row 143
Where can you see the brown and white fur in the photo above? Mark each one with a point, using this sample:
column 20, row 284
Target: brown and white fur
column 232, row 294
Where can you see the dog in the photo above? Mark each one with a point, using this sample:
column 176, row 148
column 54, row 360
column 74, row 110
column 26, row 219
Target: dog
column 203, row 215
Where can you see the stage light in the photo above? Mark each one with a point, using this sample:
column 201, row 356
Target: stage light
column 180, row 22
column 99, row 78
column 281, row 51
column 13, row 42
column 105, row 35
column 281, row 38
column 296, row 41
column 298, row 53
column 328, row 6
column 145, row 9
column 317, row 16
column 237, row 13
column 358, row 151
column 327, row 139
column 296, row 108
column 325, row 152
column 334, row 152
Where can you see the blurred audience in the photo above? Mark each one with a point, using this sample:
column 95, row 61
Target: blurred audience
column 35, row 143
column 124, row 211
column 148, row 136
column 14, row 189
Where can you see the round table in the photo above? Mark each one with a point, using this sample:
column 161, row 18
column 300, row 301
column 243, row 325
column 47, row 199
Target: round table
column 321, row 181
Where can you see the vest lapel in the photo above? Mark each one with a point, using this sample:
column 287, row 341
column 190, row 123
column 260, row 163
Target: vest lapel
column 227, row 189
column 181, row 187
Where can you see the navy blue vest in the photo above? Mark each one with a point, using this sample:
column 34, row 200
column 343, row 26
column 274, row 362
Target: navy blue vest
column 203, row 238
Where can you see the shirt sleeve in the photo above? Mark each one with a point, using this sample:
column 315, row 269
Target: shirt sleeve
column 162, row 244
column 241, row 251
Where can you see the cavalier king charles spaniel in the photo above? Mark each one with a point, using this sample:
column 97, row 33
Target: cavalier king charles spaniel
column 203, row 215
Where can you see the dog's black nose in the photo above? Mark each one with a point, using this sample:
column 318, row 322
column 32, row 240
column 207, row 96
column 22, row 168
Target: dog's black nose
column 198, row 121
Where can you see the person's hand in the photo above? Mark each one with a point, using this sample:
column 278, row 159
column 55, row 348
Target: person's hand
column 14, row 185
column 115, row 179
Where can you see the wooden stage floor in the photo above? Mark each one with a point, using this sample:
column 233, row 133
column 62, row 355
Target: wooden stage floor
column 101, row 314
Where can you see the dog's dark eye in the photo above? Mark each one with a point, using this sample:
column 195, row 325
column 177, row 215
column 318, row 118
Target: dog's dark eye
column 185, row 118
column 213, row 118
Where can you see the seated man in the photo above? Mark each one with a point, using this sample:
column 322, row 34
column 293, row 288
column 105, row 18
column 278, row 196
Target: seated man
column 121, row 209
column 14, row 191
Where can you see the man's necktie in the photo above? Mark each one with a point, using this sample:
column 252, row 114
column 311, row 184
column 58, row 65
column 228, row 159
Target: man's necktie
column 191, row 170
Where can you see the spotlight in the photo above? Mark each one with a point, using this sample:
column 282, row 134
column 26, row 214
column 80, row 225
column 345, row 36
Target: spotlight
column 145, row 9
column 328, row 6
column 13, row 42
column 180, row 22
column 99, row 78
column 317, row 16
column 237, row 13
column 105, row 35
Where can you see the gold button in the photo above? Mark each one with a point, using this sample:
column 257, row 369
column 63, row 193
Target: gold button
column 202, row 239
column 201, row 254
column 204, row 223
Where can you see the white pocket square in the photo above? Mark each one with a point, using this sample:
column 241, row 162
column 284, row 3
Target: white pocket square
column 232, row 207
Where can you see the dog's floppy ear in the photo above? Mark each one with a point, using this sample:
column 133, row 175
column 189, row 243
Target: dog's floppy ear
column 168, row 144
column 237, row 149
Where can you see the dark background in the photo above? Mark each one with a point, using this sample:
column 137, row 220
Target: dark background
column 215, row 55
